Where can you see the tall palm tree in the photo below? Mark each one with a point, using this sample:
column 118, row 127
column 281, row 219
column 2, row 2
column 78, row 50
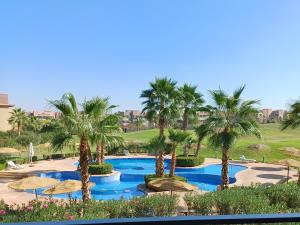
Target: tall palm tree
column 107, row 131
column 160, row 100
column 176, row 137
column 201, row 132
column 190, row 102
column 18, row 119
column 76, row 123
column 293, row 118
column 158, row 145
column 229, row 119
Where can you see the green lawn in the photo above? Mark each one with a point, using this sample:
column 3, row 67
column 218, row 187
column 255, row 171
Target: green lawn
column 272, row 136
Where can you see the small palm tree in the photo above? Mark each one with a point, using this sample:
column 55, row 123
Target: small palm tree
column 158, row 145
column 201, row 132
column 176, row 137
column 293, row 118
column 188, row 143
column 75, row 123
column 139, row 122
column 161, row 101
column 190, row 102
column 229, row 119
column 107, row 131
column 18, row 119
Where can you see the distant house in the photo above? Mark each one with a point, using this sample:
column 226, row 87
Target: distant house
column 5, row 112
column 277, row 115
column 202, row 116
column 269, row 115
column 45, row 114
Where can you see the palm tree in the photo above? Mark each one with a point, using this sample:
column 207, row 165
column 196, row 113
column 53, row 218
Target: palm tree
column 293, row 118
column 188, row 143
column 158, row 145
column 139, row 122
column 190, row 101
column 201, row 132
column 107, row 132
column 75, row 123
column 160, row 100
column 17, row 119
column 229, row 119
column 176, row 137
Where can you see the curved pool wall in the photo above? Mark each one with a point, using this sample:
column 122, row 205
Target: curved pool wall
column 131, row 172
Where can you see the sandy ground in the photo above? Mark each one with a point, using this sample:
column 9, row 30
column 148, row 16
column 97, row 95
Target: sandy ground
column 261, row 173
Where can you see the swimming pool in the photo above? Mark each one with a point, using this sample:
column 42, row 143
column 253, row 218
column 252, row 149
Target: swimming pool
column 132, row 172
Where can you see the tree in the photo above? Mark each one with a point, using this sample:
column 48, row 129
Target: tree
column 18, row 119
column 229, row 119
column 76, row 123
column 201, row 132
column 190, row 102
column 139, row 122
column 158, row 145
column 107, row 132
column 161, row 101
column 293, row 117
column 33, row 123
column 176, row 137
column 188, row 143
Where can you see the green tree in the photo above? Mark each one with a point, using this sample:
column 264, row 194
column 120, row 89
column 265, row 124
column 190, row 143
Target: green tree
column 201, row 132
column 161, row 101
column 139, row 122
column 293, row 117
column 107, row 132
column 176, row 137
column 76, row 123
column 18, row 119
column 158, row 144
column 190, row 102
column 229, row 119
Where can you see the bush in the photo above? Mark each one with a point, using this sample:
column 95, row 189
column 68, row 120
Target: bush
column 25, row 138
column 190, row 161
column 152, row 177
column 3, row 164
column 100, row 169
column 57, row 156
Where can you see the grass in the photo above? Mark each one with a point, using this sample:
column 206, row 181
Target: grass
column 272, row 136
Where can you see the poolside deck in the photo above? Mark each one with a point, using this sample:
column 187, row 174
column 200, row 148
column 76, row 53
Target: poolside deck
column 261, row 173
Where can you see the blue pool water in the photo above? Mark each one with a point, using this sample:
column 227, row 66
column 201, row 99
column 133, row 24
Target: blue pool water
column 133, row 171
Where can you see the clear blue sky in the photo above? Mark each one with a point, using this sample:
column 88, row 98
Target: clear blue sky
column 114, row 47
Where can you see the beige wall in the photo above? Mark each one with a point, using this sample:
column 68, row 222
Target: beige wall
column 4, row 116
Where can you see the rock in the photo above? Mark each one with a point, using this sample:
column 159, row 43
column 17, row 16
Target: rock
column 258, row 146
column 170, row 184
column 292, row 151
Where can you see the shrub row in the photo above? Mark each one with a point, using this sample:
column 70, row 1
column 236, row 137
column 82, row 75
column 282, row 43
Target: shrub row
column 99, row 169
column 56, row 210
column 152, row 177
column 247, row 200
column 190, row 161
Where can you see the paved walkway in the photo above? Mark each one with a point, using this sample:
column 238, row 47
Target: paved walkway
column 262, row 173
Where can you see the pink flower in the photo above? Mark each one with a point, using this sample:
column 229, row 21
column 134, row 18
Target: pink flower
column 30, row 208
column 70, row 217
column 45, row 206
column 2, row 212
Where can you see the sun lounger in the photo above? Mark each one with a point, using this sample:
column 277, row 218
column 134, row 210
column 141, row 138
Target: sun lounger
column 244, row 159
column 14, row 166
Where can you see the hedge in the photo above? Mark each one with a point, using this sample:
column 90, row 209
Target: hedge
column 190, row 161
column 100, row 169
column 152, row 177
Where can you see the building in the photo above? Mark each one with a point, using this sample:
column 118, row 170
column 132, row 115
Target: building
column 202, row 116
column 277, row 115
column 132, row 113
column 5, row 112
column 45, row 114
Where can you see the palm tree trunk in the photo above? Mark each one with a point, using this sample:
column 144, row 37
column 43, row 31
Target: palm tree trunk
column 185, row 121
column 98, row 150
column 298, row 178
column 89, row 153
column 173, row 163
column 198, row 147
column 161, row 169
column 102, row 153
column 84, row 164
column 225, row 162
column 19, row 129
column 161, row 120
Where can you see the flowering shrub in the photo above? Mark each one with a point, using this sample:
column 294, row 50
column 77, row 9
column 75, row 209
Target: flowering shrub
column 59, row 210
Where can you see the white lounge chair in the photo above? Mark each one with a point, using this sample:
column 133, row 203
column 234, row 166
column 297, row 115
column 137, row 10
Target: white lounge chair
column 126, row 153
column 14, row 166
column 244, row 159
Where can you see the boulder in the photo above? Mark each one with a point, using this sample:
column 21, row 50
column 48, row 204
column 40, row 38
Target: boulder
column 258, row 147
column 170, row 184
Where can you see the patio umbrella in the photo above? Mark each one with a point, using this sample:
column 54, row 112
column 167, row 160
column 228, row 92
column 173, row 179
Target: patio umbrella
column 66, row 187
column 33, row 183
column 290, row 163
column 30, row 152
